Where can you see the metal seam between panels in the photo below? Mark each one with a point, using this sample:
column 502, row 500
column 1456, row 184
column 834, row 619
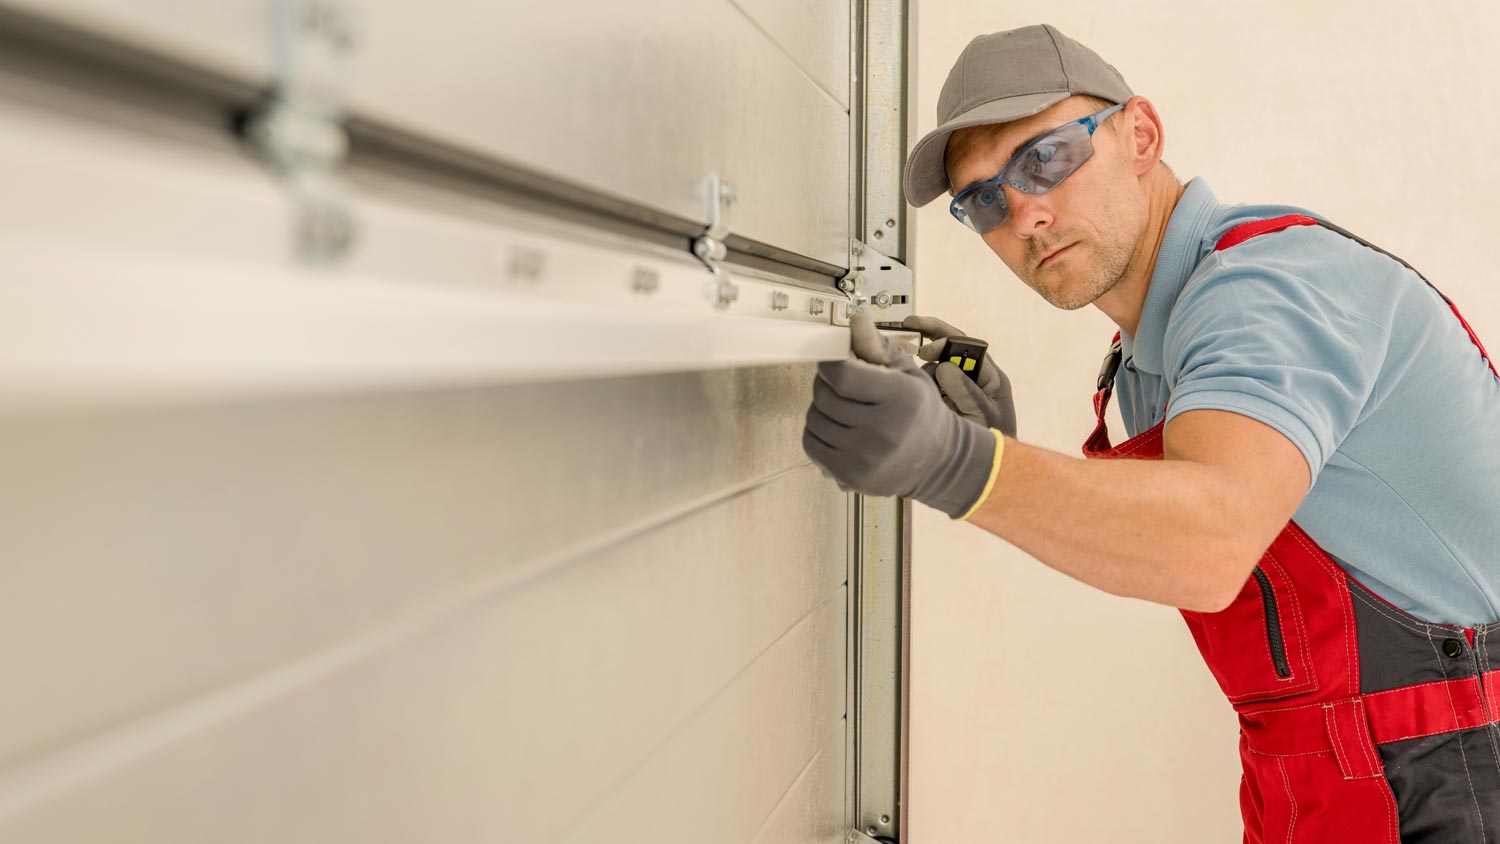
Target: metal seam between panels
column 797, row 780
column 55, row 769
column 687, row 720
column 783, row 50
column 556, row 560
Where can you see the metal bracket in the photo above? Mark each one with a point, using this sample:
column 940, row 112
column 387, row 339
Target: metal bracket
column 709, row 246
column 854, row 836
column 877, row 281
column 300, row 129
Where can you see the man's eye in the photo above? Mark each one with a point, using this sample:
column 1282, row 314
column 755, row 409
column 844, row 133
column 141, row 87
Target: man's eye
column 1039, row 155
column 985, row 197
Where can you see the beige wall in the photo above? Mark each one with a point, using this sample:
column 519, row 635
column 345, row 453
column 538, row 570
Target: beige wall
column 1043, row 710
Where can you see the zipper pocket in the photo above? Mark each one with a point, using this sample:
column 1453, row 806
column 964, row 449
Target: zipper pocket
column 1273, row 624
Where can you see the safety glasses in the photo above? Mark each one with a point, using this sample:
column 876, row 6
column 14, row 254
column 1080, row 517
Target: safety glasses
column 1038, row 167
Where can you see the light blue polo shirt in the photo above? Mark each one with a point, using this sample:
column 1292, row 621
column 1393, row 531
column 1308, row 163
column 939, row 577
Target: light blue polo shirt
column 1359, row 363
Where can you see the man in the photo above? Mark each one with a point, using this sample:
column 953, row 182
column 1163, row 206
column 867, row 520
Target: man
column 1316, row 436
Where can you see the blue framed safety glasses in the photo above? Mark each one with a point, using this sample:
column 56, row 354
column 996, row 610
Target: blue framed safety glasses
column 1038, row 167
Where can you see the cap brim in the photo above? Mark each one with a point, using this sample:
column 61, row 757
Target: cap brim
column 926, row 178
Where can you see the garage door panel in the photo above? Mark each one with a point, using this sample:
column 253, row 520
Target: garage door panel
column 520, row 717
column 633, row 101
column 640, row 100
column 812, row 810
column 760, row 733
column 222, row 540
column 809, row 32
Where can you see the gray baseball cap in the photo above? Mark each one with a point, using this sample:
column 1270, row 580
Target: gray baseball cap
column 1002, row 77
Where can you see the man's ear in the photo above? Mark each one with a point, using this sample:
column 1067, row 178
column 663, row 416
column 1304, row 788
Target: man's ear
column 1144, row 138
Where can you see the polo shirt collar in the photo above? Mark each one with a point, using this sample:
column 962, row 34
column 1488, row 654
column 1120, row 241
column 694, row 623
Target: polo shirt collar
column 1181, row 250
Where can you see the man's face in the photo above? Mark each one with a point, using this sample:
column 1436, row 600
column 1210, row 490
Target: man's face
column 1098, row 213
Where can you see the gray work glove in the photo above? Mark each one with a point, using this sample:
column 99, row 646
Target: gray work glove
column 988, row 402
column 878, row 425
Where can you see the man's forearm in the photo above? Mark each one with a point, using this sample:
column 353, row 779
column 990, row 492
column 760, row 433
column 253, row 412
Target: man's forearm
column 1161, row 530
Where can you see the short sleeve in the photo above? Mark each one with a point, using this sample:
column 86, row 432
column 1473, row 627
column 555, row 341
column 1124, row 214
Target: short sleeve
column 1265, row 343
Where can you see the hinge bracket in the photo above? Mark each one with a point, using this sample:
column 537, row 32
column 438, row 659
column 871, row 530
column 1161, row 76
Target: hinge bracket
column 300, row 130
column 878, row 282
column 709, row 246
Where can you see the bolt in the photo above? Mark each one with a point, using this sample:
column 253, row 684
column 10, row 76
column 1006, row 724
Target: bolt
column 882, row 299
column 878, row 234
column 891, row 223
column 645, row 280
column 871, row 830
column 846, row 285
column 885, row 819
column 525, row 264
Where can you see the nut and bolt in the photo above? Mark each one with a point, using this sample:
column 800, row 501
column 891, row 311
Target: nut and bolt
column 846, row 285
column 882, row 299
column 709, row 249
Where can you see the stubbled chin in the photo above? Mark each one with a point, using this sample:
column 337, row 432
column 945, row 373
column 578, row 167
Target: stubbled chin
column 1059, row 294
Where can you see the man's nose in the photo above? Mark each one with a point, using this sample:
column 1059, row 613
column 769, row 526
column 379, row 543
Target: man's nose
column 1029, row 213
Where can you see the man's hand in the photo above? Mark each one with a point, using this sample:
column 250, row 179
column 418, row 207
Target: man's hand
column 988, row 402
column 878, row 425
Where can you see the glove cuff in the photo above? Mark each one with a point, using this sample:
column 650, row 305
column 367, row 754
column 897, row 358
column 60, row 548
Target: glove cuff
column 989, row 484
column 960, row 486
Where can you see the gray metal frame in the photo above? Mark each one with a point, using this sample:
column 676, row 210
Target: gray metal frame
column 880, row 570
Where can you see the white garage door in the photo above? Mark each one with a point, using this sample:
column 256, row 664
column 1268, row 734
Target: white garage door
column 484, row 517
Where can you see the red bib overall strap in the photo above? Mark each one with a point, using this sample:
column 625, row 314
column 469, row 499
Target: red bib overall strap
column 1359, row 722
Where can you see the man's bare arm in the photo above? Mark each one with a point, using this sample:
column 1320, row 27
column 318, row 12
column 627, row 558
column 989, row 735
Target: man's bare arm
column 1184, row 531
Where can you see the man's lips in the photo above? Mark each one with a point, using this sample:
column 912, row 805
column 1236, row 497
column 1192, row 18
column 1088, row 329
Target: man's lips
column 1047, row 261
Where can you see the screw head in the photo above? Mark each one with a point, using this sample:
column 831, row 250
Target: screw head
column 891, row 223
column 882, row 299
column 846, row 285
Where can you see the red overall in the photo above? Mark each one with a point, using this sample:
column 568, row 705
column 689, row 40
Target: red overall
column 1359, row 723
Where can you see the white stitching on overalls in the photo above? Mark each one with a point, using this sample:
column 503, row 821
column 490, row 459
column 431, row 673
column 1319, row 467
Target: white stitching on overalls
column 1484, row 699
column 1335, row 735
column 1364, row 746
column 1375, row 604
column 1459, row 737
column 1390, row 800
column 1339, row 582
column 1286, row 781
